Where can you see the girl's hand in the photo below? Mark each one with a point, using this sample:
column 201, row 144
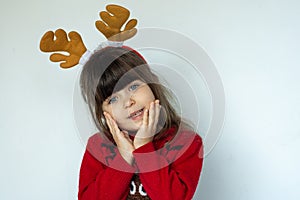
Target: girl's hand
column 121, row 138
column 148, row 128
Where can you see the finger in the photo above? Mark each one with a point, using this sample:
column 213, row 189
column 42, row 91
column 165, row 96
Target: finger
column 108, row 121
column 108, row 116
column 151, row 113
column 114, row 129
column 145, row 117
column 157, row 111
column 115, row 125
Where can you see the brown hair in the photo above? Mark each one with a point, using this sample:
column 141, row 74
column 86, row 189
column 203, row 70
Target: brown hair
column 104, row 74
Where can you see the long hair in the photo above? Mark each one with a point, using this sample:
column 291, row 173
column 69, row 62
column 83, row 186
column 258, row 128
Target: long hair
column 110, row 70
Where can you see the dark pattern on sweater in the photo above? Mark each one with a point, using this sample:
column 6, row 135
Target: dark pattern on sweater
column 109, row 151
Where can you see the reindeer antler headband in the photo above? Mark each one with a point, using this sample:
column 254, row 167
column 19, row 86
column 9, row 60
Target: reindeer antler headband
column 112, row 21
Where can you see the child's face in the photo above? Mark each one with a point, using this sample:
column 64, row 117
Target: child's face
column 127, row 105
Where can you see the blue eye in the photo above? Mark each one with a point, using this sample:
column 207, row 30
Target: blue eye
column 112, row 100
column 133, row 86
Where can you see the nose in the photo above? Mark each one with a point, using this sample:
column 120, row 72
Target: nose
column 129, row 102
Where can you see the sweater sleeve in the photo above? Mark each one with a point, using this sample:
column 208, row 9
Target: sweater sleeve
column 167, row 178
column 98, row 181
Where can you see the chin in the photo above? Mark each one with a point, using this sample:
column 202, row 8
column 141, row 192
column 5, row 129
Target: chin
column 133, row 129
column 130, row 126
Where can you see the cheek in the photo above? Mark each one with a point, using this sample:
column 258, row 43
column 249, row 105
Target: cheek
column 115, row 112
column 147, row 94
column 150, row 96
column 110, row 110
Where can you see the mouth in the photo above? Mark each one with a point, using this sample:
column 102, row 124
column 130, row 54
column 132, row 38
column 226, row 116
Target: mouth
column 136, row 114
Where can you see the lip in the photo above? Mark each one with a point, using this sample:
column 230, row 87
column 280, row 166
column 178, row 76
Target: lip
column 133, row 114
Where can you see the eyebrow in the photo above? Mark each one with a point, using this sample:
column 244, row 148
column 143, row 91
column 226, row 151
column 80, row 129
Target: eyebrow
column 134, row 81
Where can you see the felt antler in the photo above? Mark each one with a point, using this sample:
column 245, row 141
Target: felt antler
column 75, row 47
column 113, row 20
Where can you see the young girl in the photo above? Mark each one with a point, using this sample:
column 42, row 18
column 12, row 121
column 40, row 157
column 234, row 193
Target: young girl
column 143, row 150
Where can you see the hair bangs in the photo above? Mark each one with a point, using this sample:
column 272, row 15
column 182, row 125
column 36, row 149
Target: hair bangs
column 116, row 77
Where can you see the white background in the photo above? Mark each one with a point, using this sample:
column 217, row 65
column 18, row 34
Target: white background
column 255, row 46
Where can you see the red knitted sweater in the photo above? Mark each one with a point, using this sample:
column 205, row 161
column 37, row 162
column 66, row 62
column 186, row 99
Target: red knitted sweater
column 168, row 168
